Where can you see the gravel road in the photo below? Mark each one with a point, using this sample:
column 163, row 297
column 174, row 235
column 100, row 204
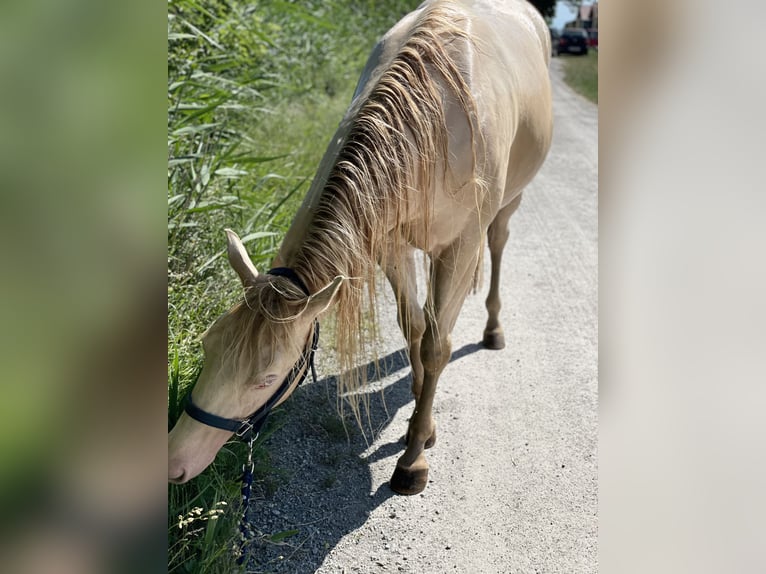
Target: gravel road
column 513, row 480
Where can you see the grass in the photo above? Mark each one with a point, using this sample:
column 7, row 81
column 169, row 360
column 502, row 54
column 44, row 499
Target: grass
column 581, row 73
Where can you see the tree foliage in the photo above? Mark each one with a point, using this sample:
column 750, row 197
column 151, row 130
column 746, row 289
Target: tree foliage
column 546, row 7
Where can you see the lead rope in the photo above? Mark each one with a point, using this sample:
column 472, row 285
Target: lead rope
column 245, row 530
column 247, row 485
column 247, row 469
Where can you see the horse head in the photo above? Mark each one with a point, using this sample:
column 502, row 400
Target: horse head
column 251, row 351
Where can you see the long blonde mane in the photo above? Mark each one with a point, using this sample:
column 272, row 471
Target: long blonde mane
column 396, row 143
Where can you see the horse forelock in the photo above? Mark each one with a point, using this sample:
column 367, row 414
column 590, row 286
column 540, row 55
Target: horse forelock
column 393, row 148
column 267, row 312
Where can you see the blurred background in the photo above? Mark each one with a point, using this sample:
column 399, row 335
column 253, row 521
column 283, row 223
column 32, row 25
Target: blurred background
column 83, row 161
column 84, row 301
column 682, row 278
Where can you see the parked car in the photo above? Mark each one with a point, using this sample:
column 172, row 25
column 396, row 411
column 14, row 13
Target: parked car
column 593, row 39
column 572, row 41
column 554, row 40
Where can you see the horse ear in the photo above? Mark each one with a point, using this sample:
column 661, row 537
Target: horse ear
column 320, row 301
column 239, row 259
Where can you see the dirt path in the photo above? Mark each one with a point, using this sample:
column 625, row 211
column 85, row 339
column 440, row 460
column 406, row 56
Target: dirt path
column 513, row 481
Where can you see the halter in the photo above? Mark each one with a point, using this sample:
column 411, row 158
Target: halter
column 249, row 427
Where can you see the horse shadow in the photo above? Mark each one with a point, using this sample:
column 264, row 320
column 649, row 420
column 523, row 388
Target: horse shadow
column 315, row 483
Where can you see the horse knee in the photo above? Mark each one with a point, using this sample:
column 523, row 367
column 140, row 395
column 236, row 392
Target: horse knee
column 435, row 352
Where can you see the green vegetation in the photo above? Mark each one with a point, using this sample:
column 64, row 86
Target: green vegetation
column 255, row 90
column 581, row 73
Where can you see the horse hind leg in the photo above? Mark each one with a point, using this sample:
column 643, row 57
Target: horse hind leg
column 497, row 236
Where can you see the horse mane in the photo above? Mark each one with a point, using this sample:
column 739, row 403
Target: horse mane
column 395, row 144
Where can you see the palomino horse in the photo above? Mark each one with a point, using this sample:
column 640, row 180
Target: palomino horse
column 449, row 122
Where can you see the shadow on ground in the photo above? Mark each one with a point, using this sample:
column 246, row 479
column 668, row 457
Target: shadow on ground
column 316, row 485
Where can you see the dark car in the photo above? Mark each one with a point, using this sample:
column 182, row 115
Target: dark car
column 554, row 40
column 572, row 41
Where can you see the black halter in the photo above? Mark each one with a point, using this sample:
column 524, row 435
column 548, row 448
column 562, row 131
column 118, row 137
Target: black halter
column 250, row 426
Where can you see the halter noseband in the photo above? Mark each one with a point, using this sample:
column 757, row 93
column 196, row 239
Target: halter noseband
column 250, row 426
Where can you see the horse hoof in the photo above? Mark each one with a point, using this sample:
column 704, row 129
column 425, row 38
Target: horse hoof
column 409, row 482
column 494, row 340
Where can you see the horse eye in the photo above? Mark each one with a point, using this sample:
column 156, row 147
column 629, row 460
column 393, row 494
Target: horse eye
column 264, row 382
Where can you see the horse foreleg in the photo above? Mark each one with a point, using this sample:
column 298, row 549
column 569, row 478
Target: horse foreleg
column 451, row 279
column 497, row 236
column 402, row 275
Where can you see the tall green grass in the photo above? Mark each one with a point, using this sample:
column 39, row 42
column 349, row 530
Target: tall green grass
column 254, row 93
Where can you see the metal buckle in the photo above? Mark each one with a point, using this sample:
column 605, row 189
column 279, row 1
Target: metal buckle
column 246, row 427
column 250, row 465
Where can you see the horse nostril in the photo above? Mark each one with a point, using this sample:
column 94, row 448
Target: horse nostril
column 180, row 479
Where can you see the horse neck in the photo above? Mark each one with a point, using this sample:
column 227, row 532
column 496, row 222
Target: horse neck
column 297, row 234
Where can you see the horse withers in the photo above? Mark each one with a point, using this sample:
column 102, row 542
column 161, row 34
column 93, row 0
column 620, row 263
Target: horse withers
column 450, row 121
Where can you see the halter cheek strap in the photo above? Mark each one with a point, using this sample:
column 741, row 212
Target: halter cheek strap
column 249, row 427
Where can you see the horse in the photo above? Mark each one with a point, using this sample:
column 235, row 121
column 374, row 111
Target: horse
column 450, row 120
